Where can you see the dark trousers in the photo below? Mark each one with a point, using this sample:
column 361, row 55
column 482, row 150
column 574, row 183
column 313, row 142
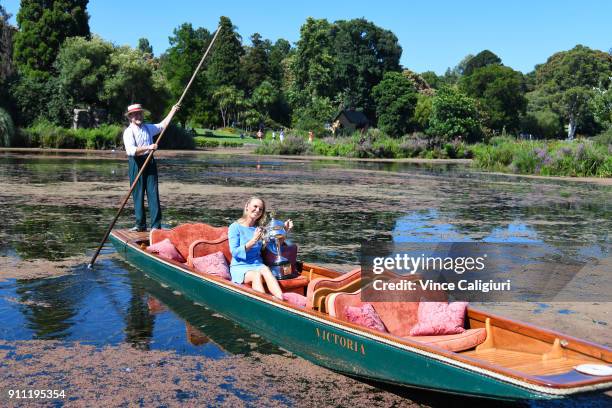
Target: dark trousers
column 147, row 182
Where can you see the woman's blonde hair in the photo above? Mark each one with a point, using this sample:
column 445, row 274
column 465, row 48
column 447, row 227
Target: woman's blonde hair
column 263, row 218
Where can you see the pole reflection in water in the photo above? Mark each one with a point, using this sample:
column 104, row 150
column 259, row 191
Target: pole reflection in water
column 139, row 323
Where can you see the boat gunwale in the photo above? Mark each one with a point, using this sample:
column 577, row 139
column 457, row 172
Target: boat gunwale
column 459, row 360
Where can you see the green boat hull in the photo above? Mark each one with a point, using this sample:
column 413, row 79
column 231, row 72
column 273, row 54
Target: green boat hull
column 328, row 344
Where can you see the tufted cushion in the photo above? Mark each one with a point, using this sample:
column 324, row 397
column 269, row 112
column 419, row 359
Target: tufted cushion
column 366, row 316
column 398, row 317
column 295, row 299
column 213, row 264
column 438, row 318
column 184, row 235
column 166, row 250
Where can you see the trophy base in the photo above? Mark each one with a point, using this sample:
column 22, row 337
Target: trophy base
column 282, row 271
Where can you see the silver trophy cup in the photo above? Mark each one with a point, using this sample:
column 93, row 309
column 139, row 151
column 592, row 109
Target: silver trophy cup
column 275, row 235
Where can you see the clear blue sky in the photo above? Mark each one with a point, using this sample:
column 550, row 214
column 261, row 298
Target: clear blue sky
column 434, row 35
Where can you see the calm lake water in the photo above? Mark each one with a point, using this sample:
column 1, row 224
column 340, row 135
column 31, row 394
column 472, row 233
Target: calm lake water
column 49, row 215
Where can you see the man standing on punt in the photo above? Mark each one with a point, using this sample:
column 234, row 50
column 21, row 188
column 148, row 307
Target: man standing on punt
column 138, row 142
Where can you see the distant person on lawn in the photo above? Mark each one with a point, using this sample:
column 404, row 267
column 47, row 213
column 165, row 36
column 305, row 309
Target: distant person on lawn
column 138, row 142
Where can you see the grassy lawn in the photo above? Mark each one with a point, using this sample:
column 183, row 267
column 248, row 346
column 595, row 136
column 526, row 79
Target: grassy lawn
column 223, row 135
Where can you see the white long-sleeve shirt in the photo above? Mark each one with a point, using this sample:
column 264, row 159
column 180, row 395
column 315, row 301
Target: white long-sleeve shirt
column 140, row 136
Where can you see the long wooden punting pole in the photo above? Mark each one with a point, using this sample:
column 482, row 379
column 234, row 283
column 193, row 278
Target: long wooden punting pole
column 150, row 156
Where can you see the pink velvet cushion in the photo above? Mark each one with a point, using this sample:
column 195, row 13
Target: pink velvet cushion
column 295, row 299
column 366, row 316
column 166, row 250
column 436, row 318
column 213, row 264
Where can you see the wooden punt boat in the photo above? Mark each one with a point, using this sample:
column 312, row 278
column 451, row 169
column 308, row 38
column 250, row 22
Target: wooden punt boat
column 517, row 361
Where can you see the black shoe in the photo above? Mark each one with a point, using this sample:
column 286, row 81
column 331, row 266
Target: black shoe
column 138, row 229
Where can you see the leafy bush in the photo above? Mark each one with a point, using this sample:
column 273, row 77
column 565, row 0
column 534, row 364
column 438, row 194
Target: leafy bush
column 292, row 145
column 543, row 124
column 395, row 98
column 227, row 143
column 177, row 137
column 422, row 112
column 501, row 140
column 203, row 143
column 7, row 129
column 375, row 133
column 454, row 115
column 457, row 149
column 45, row 134
column 367, row 146
column 604, row 139
column 559, row 158
column 413, row 146
column 333, row 146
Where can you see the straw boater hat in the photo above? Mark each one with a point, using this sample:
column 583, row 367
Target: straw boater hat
column 133, row 109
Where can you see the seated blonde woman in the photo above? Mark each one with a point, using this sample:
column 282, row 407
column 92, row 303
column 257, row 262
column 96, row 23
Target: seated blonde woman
column 245, row 242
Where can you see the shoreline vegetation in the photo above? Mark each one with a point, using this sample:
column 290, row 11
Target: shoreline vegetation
column 581, row 157
column 584, row 159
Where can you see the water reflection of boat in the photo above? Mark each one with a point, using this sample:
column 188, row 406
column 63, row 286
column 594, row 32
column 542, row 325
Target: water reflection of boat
column 193, row 335
column 498, row 358
column 217, row 330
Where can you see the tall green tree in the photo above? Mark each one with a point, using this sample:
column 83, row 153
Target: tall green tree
column 82, row 66
column 256, row 64
column 132, row 79
column 309, row 80
column 7, row 67
column 313, row 66
column 264, row 98
column 363, row 52
column 224, row 65
column 567, row 80
column 230, row 102
column 501, row 93
column 178, row 63
column 278, row 54
column 43, row 27
column 480, row 60
column 395, row 97
column 6, row 46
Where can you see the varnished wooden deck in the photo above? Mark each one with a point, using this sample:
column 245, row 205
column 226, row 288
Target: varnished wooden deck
column 527, row 363
column 131, row 236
